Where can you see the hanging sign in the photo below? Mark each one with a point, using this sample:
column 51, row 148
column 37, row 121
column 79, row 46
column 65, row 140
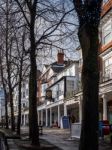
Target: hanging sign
column 48, row 94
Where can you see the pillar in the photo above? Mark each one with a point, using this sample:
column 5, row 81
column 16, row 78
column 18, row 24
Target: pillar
column 27, row 119
column 46, row 117
column 21, row 119
column 80, row 110
column 65, row 110
column 38, row 117
column 41, row 117
column 50, row 116
column 24, row 119
column 58, row 115
column 104, row 107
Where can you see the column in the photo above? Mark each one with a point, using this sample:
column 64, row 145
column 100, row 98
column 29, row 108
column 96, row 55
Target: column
column 104, row 107
column 21, row 119
column 24, row 119
column 27, row 119
column 65, row 110
column 46, row 117
column 50, row 117
column 80, row 111
column 38, row 117
column 41, row 117
column 58, row 115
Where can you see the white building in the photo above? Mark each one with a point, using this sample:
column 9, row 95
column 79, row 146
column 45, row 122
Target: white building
column 62, row 86
column 61, row 78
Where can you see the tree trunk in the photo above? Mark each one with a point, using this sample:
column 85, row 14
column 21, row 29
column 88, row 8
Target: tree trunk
column 88, row 37
column 6, row 111
column 9, row 67
column 19, row 97
column 12, row 110
column 5, row 92
column 19, row 108
column 33, row 125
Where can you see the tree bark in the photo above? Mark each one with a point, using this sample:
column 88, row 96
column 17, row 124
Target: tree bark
column 6, row 111
column 88, row 37
column 5, row 92
column 12, row 110
column 33, row 125
column 8, row 68
column 88, row 12
column 19, row 105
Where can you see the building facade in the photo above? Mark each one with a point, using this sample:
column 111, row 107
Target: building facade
column 61, row 78
column 105, row 54
column 68, row 99
column 59, row 86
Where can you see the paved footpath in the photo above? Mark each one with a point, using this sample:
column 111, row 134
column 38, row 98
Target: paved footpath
column 61, row 138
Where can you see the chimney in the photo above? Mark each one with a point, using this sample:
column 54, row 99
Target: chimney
column 60, row 58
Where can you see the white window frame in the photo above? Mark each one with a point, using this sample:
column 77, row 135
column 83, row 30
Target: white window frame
column 107, row 32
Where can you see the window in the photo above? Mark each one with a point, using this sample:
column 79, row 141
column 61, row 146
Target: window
column 58, row 90
column 107, row 32
column 23, row 85
column 24, row 105
column 108, row 68
column 23, row 94
column 61, row 88
column 70, row 85
column 44, row 87
column 27, row 92
column 104, row 1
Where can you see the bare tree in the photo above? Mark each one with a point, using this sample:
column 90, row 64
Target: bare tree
column 13, row 57
column 22, row 62
column 88, row 12
column 43, row 19
column 4, row 83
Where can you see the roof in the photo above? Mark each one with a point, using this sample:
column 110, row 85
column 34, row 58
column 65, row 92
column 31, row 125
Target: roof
column 56, row 63
column 57, row 69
